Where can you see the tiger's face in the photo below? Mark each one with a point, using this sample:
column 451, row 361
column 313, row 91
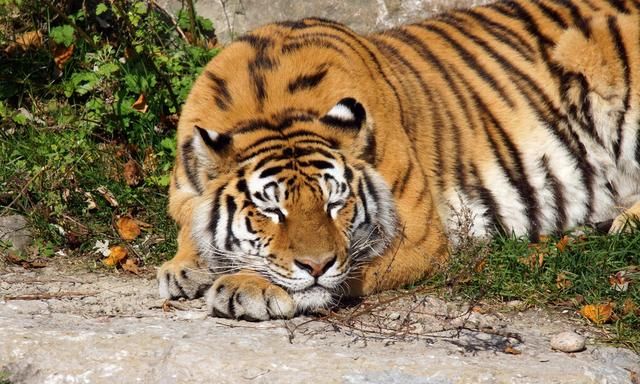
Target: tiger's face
column 292, row 205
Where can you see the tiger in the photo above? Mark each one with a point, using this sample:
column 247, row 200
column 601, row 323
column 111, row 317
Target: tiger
column 314, row 163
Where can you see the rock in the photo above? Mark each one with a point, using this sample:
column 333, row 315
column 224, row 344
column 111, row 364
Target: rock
column 232, row 18
column 14, row 231
column 568, row 342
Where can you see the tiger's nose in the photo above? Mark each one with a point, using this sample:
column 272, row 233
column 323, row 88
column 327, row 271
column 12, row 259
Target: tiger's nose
column 316, row 266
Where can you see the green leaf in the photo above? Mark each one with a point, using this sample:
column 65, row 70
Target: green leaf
column 63, row 34
column 140, row 8
column 108, row 69
column 101, row 8
column 20, row 119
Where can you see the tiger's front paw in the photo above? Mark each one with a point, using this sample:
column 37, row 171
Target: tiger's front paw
column 250, row 297
column 624, row 223
column 183, row 278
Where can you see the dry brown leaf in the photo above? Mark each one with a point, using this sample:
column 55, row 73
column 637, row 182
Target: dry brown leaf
column 24, row 263
column 598, row 313
column 150, row 162
column 512, row 351
column 563, row 282
column 62, row 54
column 132, row 173
column 128, row 228
column 130, row 266
column 619, row 281
column 140, row 104
column 107, row 196
column 535, row 258
column 561, row 245
column 629, row 306
column 25, row 41
column 116, row 255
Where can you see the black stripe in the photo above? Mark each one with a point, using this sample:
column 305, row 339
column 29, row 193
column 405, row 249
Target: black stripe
column 274, row 170
column 504, row 34
column 558, row 196
column 222, row 95
column 190, row 165
column 619, row 5
column 470, row 60
column 400, row 183
column 314, row 43
column 231, row 210
column 363, row 199
column 614, row 29
column 551, row 14
column 304, row 82
column 369, row 149
column 577, row 18
column 516, row 175
column 215, row 215
column 320, row 164
column 488, row 200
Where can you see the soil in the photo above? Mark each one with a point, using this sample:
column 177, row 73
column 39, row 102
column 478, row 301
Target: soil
column 67, row 324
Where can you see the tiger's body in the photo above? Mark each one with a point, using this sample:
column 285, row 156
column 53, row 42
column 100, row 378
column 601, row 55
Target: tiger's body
column 314, row 162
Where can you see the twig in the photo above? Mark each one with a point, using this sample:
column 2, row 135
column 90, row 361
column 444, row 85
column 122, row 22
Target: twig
column 24, row 188
column 171, row 18
column 47, row 296
column 67, row 20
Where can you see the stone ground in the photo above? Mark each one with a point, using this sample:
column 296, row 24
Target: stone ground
column 65, row 324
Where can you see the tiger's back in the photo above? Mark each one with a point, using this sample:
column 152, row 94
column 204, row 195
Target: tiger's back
column 309, row 152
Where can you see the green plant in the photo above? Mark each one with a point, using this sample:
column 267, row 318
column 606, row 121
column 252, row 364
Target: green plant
column 585, row 268
column 88, row 89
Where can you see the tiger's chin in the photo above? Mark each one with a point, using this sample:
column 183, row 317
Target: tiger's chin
column 312, row 299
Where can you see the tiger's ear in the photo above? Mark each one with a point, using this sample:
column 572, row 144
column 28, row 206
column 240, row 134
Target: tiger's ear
column 348, row 114
column 214, row 148
column 349, row 117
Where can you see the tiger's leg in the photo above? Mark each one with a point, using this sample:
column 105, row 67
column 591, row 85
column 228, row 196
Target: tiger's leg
column 404, row 263
column 249, row 296
column 185, row 275
column 626, row 221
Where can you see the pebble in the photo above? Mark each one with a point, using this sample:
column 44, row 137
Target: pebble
column 568, row 342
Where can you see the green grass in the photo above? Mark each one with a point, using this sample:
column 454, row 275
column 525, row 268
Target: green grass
column 550, row 274
column 69, row 130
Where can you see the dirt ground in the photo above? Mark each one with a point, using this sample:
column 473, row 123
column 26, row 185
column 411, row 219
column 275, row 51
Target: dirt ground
column 66, row 324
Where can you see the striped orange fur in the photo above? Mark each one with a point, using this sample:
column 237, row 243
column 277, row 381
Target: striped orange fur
column 315, row 162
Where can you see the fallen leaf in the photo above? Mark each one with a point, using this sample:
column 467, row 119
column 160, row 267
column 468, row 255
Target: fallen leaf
column 25, row 41
column 619, row 282
column 561, row 245
column 132, row 173
column 150, row 162
column 535, row 259
column 140, row 104
column 102, row 190
column 24, row 263
column 629, row 306
column 512, row 351
column 62, row 54
column 91, row 204
column 128, row 228
column 597, row 313
column 116, row 255
column 563, row 282
column 480, row 265
column 130, row 266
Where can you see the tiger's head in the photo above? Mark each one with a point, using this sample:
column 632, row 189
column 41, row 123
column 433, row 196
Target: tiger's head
column 277, row 144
